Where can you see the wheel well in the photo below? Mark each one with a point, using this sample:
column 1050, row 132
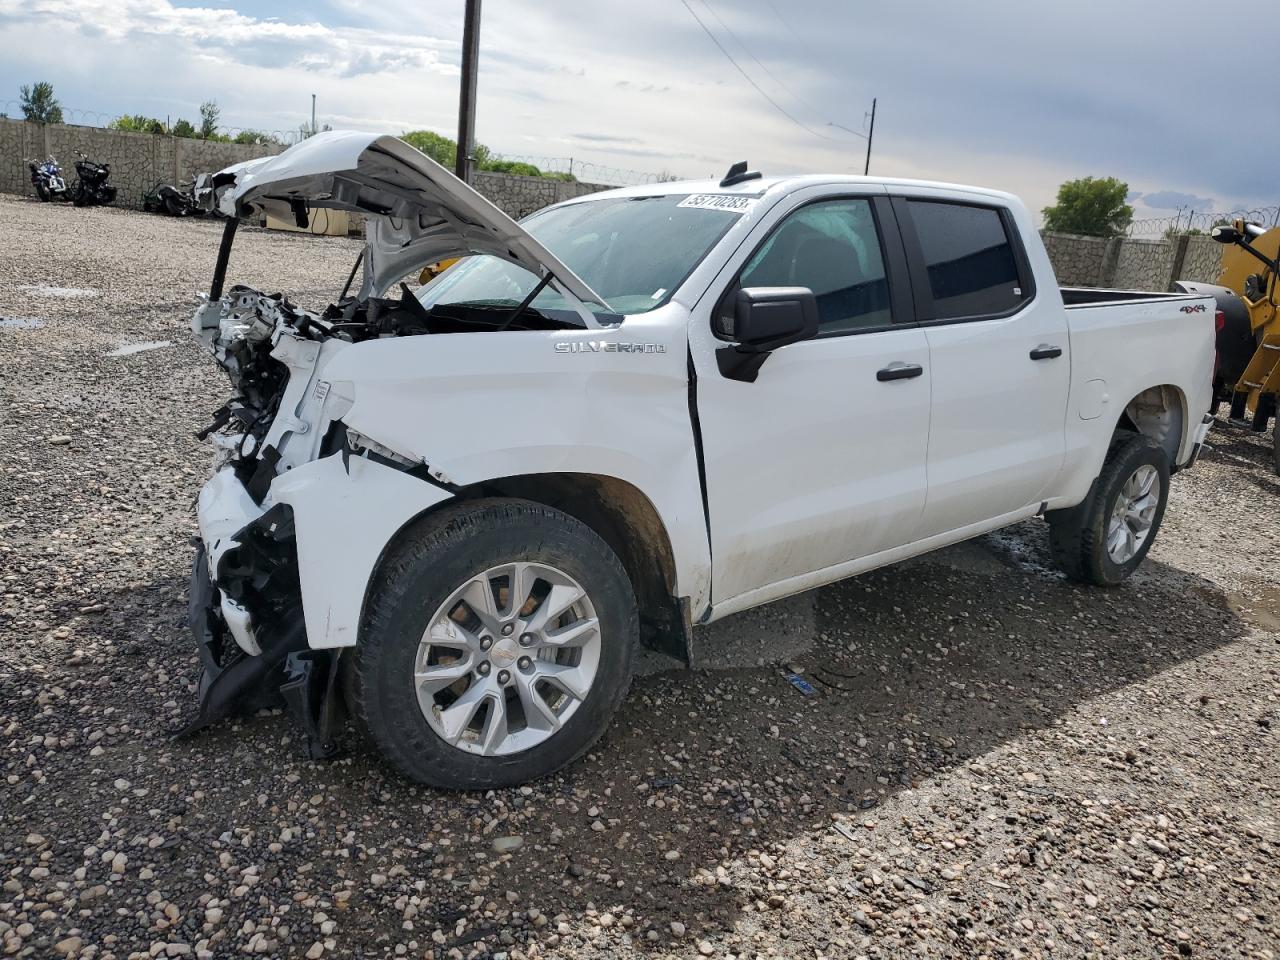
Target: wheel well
column 1158, row 413
column 628, row 522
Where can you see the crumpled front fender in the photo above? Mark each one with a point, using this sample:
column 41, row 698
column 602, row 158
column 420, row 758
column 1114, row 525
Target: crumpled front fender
column 344, row 516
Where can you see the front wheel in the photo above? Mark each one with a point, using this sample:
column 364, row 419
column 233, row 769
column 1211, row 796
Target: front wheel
column 496, row 645
column 1103, row 540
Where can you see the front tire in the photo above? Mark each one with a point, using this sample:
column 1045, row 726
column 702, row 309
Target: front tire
column 1104, row 539
column 496, row 645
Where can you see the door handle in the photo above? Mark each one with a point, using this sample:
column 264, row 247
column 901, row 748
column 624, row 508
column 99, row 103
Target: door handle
column 1046, row 351
column 899, row 371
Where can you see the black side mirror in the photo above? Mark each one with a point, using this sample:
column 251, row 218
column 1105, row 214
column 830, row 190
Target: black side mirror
column 1226, row 234
column 764, row 319
column 1251, row 231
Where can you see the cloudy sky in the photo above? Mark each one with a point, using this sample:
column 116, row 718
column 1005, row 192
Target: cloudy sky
column 1014, row 94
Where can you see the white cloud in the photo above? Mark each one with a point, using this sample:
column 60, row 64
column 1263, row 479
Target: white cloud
column 1004, row 94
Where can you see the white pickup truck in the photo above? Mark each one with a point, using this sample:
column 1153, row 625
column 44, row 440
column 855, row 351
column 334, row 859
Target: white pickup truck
column 451, row 513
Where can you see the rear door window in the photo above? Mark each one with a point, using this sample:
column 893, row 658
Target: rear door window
column 970, row 259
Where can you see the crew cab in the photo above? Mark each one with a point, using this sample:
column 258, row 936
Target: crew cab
column 452, row 512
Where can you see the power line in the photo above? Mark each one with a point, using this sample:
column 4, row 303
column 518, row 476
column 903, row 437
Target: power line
column 746, row 76
column 768, row 72
column 790, row 29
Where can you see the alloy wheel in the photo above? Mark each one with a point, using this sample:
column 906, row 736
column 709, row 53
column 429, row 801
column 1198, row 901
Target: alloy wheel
column 507, row 659
column 1132, row 514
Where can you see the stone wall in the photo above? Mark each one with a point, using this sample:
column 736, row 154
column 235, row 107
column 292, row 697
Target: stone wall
column 141, row 160
column 19, row 142
column 1076, row 260
column 138, row 160
column 1127, row 263
column 1203, row 262
column 520, row 196
column 1142, row 265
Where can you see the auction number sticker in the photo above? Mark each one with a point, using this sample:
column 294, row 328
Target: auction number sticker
column 718, row 201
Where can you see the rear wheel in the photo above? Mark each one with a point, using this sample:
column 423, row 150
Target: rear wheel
column 1104, row 539
column 496, row 646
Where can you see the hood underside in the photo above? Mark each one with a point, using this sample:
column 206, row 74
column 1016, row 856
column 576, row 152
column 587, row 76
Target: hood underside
column 416, row 211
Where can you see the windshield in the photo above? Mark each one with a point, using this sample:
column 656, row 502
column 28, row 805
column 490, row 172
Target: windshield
column 633, row 251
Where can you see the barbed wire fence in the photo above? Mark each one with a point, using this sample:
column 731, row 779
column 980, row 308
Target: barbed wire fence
column 586, row 170
column 1202, row 222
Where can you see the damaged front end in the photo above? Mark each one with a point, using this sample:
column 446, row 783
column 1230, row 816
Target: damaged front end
column 247, row 611
column 299, row 508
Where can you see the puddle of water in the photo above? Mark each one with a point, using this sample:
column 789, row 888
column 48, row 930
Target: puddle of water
column 65, row 293
column 129, row 349
column 21, row 323
column 1259, row 606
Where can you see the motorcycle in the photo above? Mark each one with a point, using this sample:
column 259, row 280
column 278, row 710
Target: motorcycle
column 91, row 187
column 193, row 202
column 166, row 198
column 46, row 177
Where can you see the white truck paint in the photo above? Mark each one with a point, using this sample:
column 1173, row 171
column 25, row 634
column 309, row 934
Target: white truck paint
column 816, row 470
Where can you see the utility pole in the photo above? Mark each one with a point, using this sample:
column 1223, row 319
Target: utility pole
column 866, row 169
column 313, row 114
column 467, row 92
column 870, row 133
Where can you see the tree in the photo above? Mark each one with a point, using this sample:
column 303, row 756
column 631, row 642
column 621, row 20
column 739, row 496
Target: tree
column 440, row 149
column 254, row 137
column 445, row 151
column 210, row 114
column 39, row 104
column 514, row 167
column 1090, row 206
column 137, row 124
column 184, row 128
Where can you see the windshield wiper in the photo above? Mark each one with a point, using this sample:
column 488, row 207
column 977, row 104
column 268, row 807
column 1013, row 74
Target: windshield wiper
column 524, row 304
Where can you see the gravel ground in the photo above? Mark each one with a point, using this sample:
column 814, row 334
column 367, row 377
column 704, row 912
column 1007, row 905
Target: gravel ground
column 995, row 764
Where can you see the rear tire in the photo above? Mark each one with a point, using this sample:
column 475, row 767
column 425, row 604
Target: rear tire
column 1104, row 539
column 422, row 578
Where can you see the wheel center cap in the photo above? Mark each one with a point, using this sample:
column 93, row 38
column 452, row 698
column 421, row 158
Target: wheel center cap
column 504, row 651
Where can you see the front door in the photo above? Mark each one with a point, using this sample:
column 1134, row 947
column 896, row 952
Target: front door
column 821, row 460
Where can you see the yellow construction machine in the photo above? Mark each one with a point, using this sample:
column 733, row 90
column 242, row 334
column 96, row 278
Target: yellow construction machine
column 1248, row 366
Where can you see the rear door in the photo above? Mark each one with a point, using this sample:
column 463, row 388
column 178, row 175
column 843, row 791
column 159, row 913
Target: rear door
column 821, row 460
column 999, row 359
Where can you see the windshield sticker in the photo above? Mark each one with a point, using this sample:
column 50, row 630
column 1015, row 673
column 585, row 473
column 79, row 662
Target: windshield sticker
column 658, row 294
column 718, row 201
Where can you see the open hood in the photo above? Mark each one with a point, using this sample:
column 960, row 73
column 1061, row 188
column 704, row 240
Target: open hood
column 417, row 211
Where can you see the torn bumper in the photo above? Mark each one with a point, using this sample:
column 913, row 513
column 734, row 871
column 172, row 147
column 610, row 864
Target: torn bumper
column 290, row 573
